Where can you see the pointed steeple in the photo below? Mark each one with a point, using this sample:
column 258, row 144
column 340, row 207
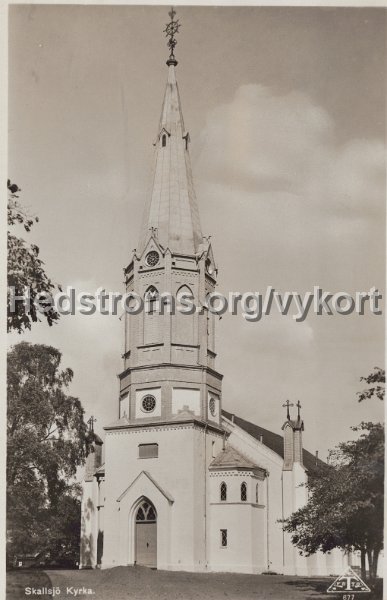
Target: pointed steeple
column 171, row 207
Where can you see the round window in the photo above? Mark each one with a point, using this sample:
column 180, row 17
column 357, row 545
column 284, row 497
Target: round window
column 212, row 406
column 148, row 403
column 152, row 258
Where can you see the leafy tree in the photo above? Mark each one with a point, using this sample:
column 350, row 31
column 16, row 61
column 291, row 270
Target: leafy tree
column 25, row 270
column 345, row 506
column 376, row 381
column 47, row 440
column 64, row 527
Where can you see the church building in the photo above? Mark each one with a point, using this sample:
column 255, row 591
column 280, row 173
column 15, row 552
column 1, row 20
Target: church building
column 185, row 485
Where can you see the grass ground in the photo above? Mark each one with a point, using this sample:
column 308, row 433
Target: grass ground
column 140, row 583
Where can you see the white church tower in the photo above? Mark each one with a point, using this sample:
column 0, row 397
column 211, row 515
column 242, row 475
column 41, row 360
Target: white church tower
column 168, row 430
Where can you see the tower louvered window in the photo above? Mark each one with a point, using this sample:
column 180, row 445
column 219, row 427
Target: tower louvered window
column 152, row 320
column 151, row 299
column 183, row 324
column 243, row 492
column 223, row 492
column 223, row 538
column 148, row 450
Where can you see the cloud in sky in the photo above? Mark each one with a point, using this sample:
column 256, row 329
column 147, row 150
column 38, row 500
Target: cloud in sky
column 279, row 162
column 285, row 143
column 290, row 207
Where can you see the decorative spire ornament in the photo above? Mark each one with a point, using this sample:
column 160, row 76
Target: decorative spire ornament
column 298, row 407
column 170, row 31
column 90, row 423
column 287, row 405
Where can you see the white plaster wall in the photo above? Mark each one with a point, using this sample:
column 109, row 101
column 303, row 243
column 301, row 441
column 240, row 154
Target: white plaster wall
column 89, row 524
column 269, row 460
column 259, row 539
column 289, row 550
column 300, row 478
column 124, row 406
column 180, row 470
column 238, row 555
column 185, row 397
column 244, row 521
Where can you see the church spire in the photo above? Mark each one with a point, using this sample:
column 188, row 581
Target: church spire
column 171, row 212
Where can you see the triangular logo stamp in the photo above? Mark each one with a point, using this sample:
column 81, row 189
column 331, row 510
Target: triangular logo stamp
column 349, row 581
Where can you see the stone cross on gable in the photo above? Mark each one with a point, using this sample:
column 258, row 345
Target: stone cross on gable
column 91, row 422
column 288, row 404
column 298, row 407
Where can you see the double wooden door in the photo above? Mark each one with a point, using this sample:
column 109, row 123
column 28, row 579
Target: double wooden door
column 146, row 535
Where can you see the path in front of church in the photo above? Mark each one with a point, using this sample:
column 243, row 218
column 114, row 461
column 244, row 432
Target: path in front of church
column 140, row 583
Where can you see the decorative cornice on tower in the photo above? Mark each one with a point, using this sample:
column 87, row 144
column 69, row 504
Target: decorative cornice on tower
column 171, row 205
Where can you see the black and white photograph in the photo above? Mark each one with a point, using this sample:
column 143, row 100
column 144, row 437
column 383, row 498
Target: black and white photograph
column 196, row 261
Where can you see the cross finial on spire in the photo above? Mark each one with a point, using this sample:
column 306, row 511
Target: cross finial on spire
column 298, row 407
column 288, row 404
column 91, row 422
column 170, row 31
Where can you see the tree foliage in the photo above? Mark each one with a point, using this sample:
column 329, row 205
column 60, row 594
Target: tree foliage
column 47, row 440
column 376, row 382
column 345, row 506
column 25, row 269
column 346, row 497
column 64, row 528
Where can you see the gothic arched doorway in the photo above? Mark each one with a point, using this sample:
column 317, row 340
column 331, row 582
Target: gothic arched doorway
column 146, row 534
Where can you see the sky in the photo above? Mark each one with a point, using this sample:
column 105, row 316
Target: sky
column 286, row 113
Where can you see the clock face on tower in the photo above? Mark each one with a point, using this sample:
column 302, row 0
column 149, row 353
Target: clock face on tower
column 212, row 407
column 152, row 258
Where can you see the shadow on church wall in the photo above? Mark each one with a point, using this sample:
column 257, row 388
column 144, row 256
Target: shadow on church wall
column 88, row 509
column 87, row 540
column 87, row 543
column 99, row 547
